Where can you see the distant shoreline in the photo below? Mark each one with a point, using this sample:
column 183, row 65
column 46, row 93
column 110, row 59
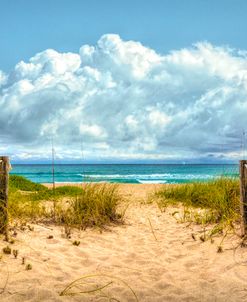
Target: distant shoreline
column 138, row 174
column 125, row 164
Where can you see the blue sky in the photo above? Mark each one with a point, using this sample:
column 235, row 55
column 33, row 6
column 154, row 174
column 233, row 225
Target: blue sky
column 28, row 26
column 130, row 80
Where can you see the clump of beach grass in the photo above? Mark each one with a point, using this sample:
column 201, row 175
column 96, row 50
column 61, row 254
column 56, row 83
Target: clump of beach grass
column 95, row 206
column 28, row 267
column 26, row 198
column 23, row 207
column 85, row 206
column 214, row 202
column 7, row 250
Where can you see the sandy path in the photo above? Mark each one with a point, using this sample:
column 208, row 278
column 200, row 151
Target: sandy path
column 172, row 268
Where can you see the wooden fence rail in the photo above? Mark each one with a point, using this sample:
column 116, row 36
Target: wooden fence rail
column 243, row 195
column 4, row 187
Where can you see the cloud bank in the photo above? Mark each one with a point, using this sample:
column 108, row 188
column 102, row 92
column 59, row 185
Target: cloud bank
column 122, row 100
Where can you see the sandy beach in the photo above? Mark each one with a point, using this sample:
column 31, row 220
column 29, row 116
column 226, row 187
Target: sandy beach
column 123, row 151
column 150, row 253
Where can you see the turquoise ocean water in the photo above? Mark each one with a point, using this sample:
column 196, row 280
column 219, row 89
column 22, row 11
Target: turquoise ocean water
column 125, row 173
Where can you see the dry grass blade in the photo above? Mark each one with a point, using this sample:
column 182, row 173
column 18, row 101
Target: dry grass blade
column 152, row 229
column 91, row 290
column 66, row 291
column 6, row 282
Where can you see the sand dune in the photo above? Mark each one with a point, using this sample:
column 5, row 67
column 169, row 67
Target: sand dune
column 175, row 267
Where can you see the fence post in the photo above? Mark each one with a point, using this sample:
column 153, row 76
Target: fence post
column 243, row 195
column 4, row 187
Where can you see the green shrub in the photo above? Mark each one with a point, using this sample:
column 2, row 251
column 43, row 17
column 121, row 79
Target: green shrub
column 17, row 182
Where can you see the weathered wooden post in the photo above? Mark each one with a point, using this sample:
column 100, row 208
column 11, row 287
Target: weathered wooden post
column 243, row 195
column 4, row 187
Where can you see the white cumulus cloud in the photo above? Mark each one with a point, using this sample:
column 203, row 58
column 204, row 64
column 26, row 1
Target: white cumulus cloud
column 123, row 100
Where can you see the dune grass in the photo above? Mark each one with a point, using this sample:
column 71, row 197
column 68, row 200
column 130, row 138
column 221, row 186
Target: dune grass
column 85, row 206
column 17, row 182
column 21, row 184
column 96, row 206
column 214, row 202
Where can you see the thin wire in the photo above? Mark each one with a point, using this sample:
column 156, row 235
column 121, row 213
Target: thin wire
column 82, row 162
column 243, row 144
column 53, row 177
column 53, row 165
column 223, row 166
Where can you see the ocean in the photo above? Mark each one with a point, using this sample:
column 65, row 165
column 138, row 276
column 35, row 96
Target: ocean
column 138, row 173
